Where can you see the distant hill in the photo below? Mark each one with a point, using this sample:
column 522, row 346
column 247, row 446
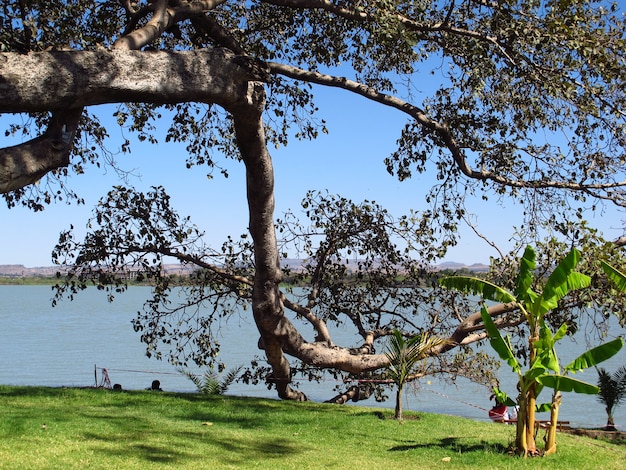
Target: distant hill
column 19, row 270
column 454, row 266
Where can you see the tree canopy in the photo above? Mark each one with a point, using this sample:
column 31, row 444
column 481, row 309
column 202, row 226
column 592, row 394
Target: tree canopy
column 527, row 103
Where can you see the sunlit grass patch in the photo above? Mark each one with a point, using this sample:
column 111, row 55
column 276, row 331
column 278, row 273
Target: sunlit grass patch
column 43, row 428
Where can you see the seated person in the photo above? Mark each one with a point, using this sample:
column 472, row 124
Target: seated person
column 499, row 413
column 156, row 386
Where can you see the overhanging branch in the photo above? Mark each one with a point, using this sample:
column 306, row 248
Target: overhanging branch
column 58, row 80
column 445, row 134
column 66, row 81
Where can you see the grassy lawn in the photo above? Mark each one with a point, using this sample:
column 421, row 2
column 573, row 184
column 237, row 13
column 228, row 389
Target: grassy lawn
column 95, row 428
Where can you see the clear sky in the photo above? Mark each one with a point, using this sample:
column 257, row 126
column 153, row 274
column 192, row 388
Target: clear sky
column 348, row 161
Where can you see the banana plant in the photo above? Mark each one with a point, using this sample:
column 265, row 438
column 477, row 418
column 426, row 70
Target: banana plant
column 544, row 369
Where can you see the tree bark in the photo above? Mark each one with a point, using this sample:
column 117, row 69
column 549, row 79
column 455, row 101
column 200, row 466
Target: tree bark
column 26, row 163
column 61, row 80
column 354, row 393
column 275, row 330
column 66, row 81
column 398, row 410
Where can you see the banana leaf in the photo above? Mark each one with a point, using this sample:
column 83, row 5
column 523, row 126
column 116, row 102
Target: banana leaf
column 526, row 275
column 618, row 278
column 595, row 356
column 561, row 281
column 502, row 397
column 564, row 383
column 498, row 343
column 477, row 286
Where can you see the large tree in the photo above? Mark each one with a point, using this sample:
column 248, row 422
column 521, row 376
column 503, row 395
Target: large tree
column 528, row 104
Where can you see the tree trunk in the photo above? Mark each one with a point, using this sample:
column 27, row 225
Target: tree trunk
column 521, row 444
column 267, row 305
column 610, row 423
column 554, row 417
column 398, row 414
column 278, row 334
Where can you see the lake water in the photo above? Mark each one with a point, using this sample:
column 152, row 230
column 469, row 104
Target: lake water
column 64, row 345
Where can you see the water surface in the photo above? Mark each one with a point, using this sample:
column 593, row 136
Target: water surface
column 69, row 344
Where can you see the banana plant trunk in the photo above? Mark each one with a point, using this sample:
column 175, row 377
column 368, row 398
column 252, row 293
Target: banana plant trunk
column 554, row 416
column 531, row 420
column 525, row 438
column 531, row 394
column 521, row 446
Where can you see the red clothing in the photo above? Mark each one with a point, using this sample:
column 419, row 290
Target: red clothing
column 499, row 413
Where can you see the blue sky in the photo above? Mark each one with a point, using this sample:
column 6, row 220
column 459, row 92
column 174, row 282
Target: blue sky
column 348, row 161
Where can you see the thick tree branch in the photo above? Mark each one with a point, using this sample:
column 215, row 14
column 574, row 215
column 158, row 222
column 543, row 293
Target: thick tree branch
column 58, row 80
column 66, row 81
column 164, row 17
column 26, row 163
column 472, row 329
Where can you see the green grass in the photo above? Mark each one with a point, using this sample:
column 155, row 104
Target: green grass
column 93, row 428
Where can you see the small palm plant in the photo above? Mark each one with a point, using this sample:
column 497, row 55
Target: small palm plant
column 403, row 356
column 612, row 392
column 210, row 384
column 612, row 389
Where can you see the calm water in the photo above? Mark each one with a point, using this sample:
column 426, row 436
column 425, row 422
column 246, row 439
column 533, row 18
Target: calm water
column 61, row 346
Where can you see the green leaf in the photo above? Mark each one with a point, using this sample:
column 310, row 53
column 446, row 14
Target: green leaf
column 617, row 277
column 595, row 356
column 561, row 332
column 497, row 342
column 562, row 281
column 502, row 397
column 543, row 408
column 477, row 286
column 537, row 370
column 563, row 383
column 546, row 355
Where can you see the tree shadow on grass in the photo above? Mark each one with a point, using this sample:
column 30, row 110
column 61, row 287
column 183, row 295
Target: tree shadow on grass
column 182, row 449
column 456, row 445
